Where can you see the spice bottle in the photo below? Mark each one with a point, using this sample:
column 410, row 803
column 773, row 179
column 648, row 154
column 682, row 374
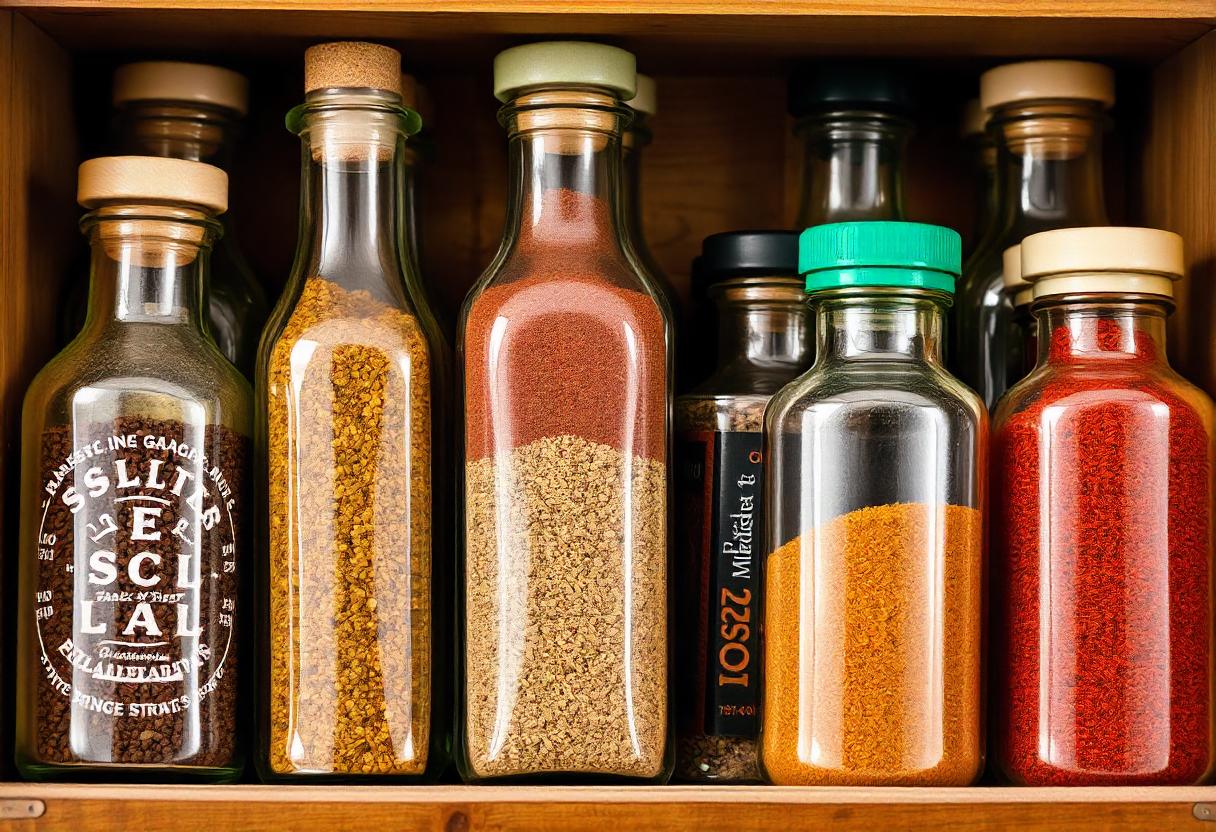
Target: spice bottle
column 874, row 503
column 636, row 136
column 764, row 331
column 135, row 451
column 192, row 111
column 346, row 400
column 1102, row 644
column 982, row 149
column 566, row 363
column 853, row 122
column 1047, row 118
column 1022, row 340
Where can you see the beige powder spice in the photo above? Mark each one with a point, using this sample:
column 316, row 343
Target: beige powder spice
column 350, row 537
column 566, row 619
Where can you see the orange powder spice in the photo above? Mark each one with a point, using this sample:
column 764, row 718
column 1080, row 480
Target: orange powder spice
column 872, row 657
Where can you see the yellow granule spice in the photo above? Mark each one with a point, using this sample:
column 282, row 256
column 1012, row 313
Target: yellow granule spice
column 349, row 436
column 872, row 650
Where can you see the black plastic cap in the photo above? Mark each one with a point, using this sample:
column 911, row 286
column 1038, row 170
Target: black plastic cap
column 748, row 253
column 847, row 85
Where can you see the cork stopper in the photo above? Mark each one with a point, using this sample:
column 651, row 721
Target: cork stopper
column 352, row 65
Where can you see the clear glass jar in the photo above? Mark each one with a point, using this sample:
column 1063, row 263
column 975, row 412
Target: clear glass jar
column 346, row 406
column 192, row 121
column 1049, row 166
column 135, row 458
column 637, row 136
column 567, row 367
column 875, row 495
column 1102, row 532
column 982, row 149
column 765, row 343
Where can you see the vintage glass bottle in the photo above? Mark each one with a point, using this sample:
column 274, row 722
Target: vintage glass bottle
column 852, row 119
column 192, row 111
column 875, row 495
column 134, row 502
column 982, row 149
column 566, row 367
column 1047, row 118
column 346, row 395
column 764, row 343
column 1102, row 528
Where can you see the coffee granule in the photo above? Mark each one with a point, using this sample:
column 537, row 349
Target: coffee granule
column 349, row 434
column 144, row 491
column 566, row 618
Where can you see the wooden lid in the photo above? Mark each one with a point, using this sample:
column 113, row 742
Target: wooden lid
column 136, row 178
column 352, row 65
column 177, row 81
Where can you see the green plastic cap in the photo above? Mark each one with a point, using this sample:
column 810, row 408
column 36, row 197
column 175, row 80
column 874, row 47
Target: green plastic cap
column 562, row 62
column 909, row 254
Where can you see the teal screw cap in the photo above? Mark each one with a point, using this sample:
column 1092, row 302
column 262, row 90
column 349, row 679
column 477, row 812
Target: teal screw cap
column 908, row 254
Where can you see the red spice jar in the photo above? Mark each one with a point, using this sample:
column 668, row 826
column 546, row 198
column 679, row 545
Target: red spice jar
column 565, row 348
column 1103, row 528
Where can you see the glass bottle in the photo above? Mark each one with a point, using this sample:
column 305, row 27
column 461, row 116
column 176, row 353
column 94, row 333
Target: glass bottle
column 1022, row 340
column 192, row 111
column 982, row 149
column 567, row 367
column 765, row 343
column 1047, row 118
column 852, row 119
column 1103, row 457
column 135, row 455
column 875, row 499
column 346, row 404
column 635, row 137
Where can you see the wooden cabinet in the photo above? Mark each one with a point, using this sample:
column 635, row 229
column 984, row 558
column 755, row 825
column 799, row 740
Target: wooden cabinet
column 723, row 158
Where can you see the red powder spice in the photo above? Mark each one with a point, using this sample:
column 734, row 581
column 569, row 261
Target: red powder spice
column 1102, row 573
column 558, row 348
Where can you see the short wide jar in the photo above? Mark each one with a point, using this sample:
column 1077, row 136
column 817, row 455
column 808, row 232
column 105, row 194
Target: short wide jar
column 875, row 526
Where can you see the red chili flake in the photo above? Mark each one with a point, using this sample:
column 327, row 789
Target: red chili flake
column 1102, row 571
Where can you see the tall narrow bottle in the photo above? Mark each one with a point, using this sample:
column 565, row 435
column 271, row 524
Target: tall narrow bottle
column 853, row 121
column 982, row 149
column 567, row 368
column 346, row 419
column 1047, row 118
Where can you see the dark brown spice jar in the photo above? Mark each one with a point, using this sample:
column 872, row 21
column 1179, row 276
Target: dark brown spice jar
column 133, row 489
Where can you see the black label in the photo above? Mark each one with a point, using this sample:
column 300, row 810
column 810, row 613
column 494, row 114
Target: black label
column 720, row 478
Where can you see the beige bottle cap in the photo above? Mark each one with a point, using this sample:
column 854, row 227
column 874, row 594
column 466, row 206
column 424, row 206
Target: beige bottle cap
column 352, row 65
column 645, row 100
column 1017, row 287
column 177, row 81
column 1070, row 261
column 560, row 63
column 154, row 179
column 1037, row 80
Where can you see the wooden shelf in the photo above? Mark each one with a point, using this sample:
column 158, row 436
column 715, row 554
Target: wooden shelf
column 622, row 809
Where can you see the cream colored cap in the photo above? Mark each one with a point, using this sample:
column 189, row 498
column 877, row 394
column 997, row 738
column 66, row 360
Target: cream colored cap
column 155, row 179
column 975, row 119
column 352, row 65
column 177, row 81
column 1070, row 261
column 1035, row 80
column 561, row 63
column 1018, row 289
column 645, row 100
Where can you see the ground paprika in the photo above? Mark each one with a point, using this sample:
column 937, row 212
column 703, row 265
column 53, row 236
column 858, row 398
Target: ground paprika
column 1102, row 542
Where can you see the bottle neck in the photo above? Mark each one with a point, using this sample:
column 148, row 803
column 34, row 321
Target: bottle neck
column 1049, row 167
column 353, row 191
column 566, row 170
column 762, row 323
column 1102, row 330
column 177, row 130
column 864, row 325
column 853, row 167
column 148, row 266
